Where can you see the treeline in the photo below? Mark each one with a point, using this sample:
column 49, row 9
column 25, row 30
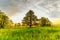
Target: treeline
column 29, row 20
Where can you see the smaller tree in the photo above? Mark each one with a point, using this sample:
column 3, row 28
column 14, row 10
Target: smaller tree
column 45, row 22
column 17, row 24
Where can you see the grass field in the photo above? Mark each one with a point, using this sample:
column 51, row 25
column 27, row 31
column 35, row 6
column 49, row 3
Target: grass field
column 37, row 33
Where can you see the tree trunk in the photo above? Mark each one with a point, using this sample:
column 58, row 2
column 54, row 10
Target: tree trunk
column 30, row 20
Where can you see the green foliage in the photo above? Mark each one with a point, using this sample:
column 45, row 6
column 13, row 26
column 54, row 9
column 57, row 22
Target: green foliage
column 4, row 20
column 29, row 19
column 38, row 33
column 45, row 21
column 17, row 24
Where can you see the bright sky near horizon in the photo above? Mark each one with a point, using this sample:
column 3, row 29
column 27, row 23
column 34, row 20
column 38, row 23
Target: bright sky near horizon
column 16, row 9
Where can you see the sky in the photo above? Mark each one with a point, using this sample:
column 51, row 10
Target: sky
column 16, row 9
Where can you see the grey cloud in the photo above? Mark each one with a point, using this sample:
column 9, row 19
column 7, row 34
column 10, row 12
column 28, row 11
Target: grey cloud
column 14, row 6
column 54, row 14
column 52, row 6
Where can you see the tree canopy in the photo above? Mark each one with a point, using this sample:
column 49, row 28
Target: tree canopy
column 4, row 20
column 29, row 19
column 45, row 21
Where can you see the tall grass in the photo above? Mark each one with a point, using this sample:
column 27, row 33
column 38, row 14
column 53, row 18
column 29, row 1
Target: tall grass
column 36, row 33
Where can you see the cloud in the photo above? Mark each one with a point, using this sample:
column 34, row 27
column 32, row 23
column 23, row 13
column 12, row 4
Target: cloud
column 53, row 6
column 14, row 6
column 48, row 8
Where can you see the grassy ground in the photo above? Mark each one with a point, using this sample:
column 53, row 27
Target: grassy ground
column 38, row 33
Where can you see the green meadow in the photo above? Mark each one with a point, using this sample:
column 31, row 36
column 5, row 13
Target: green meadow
column 35, row 33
